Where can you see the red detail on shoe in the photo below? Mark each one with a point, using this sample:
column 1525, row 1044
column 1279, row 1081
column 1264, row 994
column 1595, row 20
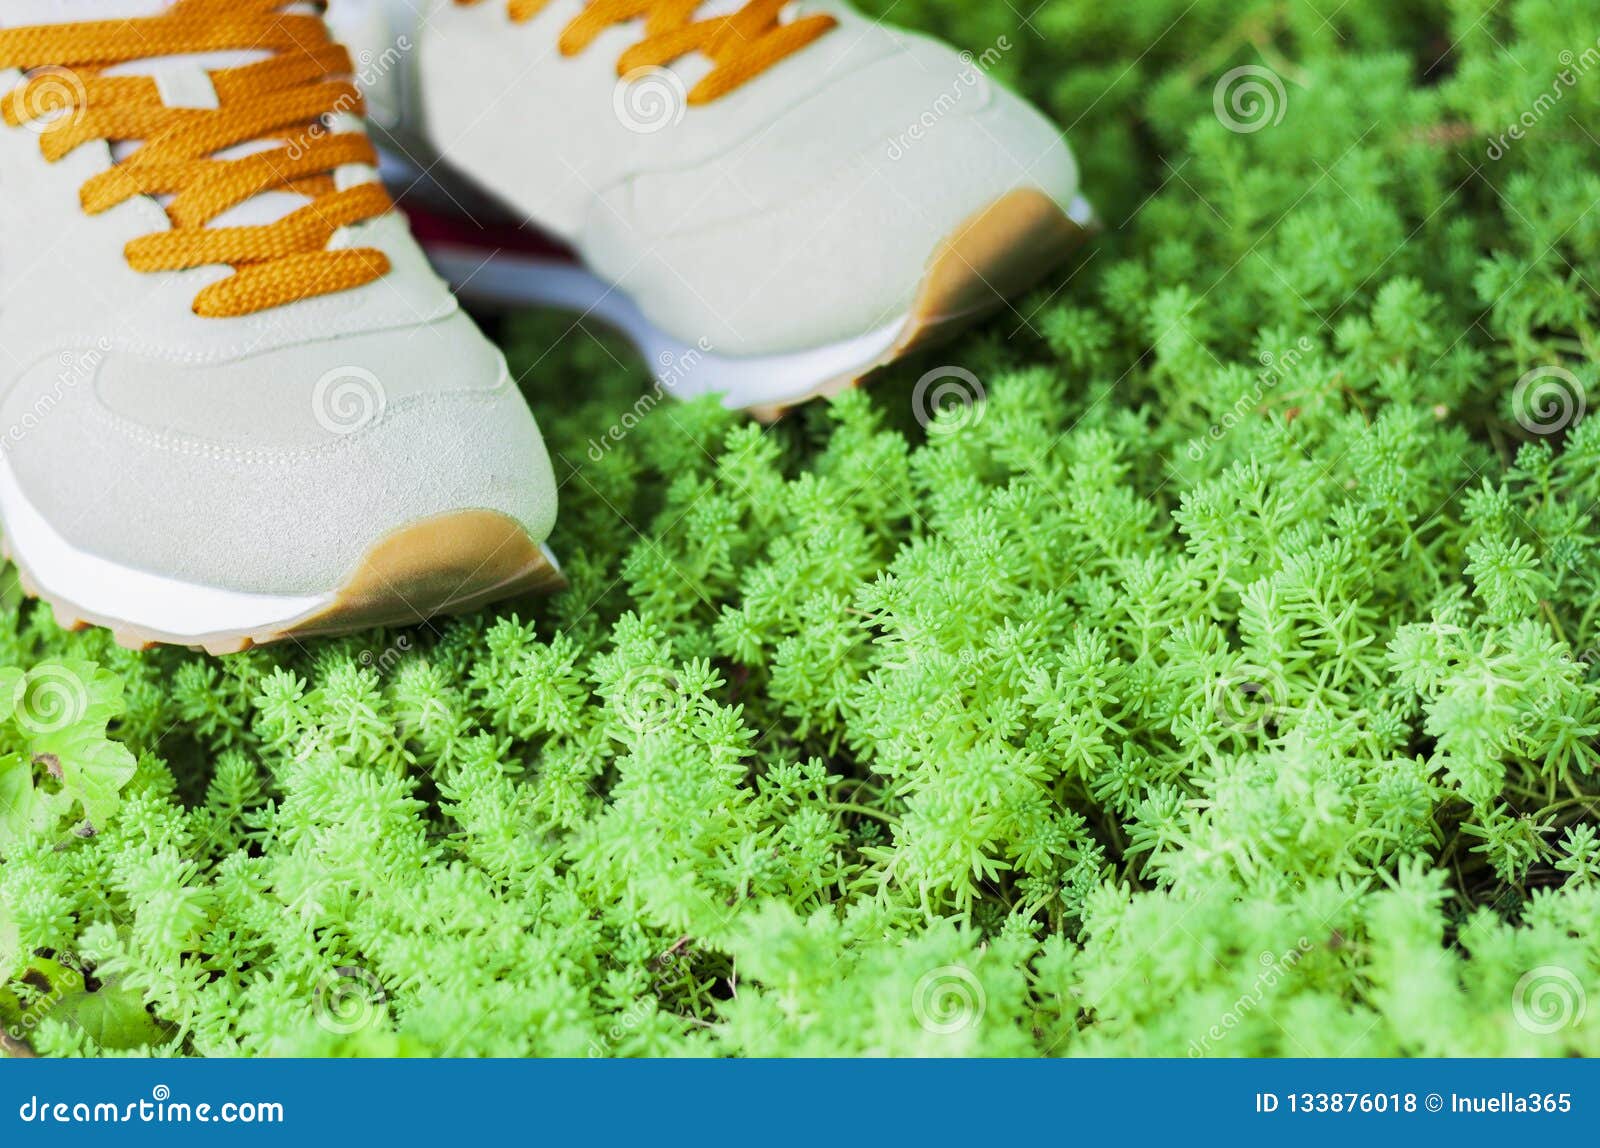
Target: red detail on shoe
column 433, row 229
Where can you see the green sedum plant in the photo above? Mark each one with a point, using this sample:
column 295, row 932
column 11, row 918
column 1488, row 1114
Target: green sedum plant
column 1217, row 678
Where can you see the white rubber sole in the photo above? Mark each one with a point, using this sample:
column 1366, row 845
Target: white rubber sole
column 138, row 598
column 505, row 278
column 442, row 565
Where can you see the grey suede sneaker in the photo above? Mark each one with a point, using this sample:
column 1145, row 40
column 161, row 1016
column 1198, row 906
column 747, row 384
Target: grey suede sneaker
column 776, row 199
column 236, row 405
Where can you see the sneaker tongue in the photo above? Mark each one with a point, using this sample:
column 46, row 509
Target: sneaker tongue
column 184, row 72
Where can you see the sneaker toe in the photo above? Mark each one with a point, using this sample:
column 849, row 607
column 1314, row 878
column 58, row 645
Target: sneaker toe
column 385, row 477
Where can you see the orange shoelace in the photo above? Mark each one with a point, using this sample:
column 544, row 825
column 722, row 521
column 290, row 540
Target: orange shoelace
column 283, row 97
column 742, row 45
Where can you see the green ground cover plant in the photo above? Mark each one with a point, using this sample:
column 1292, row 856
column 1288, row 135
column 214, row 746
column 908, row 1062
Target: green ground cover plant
column 1207, row 667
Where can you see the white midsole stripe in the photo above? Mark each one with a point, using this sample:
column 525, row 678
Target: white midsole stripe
column 116, row 593
column 685, row 371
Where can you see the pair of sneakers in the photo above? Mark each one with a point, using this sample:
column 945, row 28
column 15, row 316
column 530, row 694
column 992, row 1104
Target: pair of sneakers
column 237, row 402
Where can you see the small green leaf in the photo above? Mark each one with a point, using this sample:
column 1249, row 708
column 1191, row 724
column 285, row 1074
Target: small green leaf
column 113, row 1016
column 93, row 771
column 24, row 807
column 10, row 691
column 60, row 710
